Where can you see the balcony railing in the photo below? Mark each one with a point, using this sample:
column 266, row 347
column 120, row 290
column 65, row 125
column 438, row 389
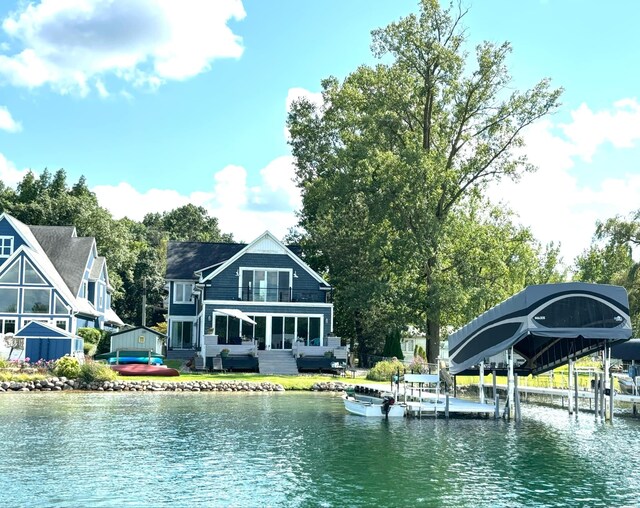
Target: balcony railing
column 268, row 294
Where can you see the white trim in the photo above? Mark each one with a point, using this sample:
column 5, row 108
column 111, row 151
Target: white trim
column 199, row 271
column 239, row 304
column 286, row 251
column 2, row 246
column 184, row 293
column 241, row 286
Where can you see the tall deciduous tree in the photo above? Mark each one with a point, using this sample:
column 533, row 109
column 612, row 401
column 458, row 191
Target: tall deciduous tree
column 396, row 150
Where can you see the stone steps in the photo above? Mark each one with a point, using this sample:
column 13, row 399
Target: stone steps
column 277, row 362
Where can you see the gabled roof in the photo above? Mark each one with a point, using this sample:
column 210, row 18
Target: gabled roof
column 34, row 329
column 112, row 318
column 68, row 253
column 185, row 258
column 267, row 243
column 22, row 229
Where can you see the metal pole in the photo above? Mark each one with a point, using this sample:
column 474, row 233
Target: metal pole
column 446, row 406
column 517, row 399
column 575, row 374
column 481, row 383
column 596, row 395
column 510, row 386
column 496, row 400
column 611, row 397
column 602, row 399
column 570, row 377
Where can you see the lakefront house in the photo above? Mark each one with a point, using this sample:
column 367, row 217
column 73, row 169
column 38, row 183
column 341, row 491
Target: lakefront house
column 52, row 282
column 253, row 307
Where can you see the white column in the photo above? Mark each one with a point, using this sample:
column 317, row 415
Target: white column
column 481, row 384
column 569, row 388
column 510, row 386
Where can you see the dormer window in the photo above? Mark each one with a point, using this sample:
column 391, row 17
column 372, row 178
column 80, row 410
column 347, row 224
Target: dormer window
column 6, row 246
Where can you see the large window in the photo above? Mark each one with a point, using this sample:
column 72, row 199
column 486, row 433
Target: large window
column 6, row 246
column 8, row 300
column 36, row 301
column 181, row 334
column 308, row 331
column 31, row 275
column 12, row 274
column 182, row 292
column 263, row 285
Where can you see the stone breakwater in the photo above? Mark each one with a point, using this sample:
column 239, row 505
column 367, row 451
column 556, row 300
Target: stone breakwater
column 57, row 384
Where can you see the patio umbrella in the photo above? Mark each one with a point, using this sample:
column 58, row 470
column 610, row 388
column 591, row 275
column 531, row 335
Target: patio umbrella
column 236, row 313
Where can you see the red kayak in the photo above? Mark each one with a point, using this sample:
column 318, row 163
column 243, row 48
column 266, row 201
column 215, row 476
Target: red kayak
column 143, row 369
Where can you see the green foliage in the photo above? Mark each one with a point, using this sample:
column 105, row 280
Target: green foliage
column 161, row 327
column 97, row 371
column 68, row 367
column 392, row 167
column 104, row 344
column 90, row 335
column 419, row 352
column 392, row 345
column 382, row 371
column 419, row 364
column 4, row 363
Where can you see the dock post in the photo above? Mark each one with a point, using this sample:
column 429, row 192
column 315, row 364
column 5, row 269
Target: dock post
column 596, row 394
column 510, row 386
column 602, row 399
column 496, row 400
column 516, row 399
column 575, row 384
column 569, row 390
column 446, row 406
column 611, row 397
column 455, row 385
column 481, row 383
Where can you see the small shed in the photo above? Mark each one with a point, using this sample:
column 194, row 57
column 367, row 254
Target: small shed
column 139, row 337
column 46, row 342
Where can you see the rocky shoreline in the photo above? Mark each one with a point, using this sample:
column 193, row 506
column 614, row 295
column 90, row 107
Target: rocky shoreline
column 57, row 384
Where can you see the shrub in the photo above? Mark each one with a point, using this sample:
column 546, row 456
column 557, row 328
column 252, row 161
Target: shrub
column 4, row 363
column 67, row 366
column 419, row 365
column 90, row 335
column 382, row 371
column 96, row 371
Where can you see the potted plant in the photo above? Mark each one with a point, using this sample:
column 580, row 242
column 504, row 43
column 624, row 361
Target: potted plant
column 328, row 354
column 224, row 353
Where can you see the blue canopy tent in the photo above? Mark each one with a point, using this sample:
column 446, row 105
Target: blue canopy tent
column 547, row 325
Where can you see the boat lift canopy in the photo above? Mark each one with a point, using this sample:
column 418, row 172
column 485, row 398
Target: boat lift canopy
column 547, row 325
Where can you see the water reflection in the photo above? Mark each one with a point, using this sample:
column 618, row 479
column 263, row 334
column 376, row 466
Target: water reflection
column 301, row 450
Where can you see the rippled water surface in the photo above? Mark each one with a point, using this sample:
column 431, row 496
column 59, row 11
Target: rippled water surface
column 301, row 449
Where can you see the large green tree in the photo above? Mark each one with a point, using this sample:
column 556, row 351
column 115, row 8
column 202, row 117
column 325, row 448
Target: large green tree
column 395, row 153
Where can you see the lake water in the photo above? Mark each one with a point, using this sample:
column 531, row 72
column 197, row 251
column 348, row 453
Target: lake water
column 301, row 449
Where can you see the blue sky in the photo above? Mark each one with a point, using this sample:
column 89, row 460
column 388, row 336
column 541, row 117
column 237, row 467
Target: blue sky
column 159, row 103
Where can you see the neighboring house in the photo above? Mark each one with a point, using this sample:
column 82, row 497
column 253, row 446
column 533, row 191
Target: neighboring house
column 247, row 299
column 50, row 275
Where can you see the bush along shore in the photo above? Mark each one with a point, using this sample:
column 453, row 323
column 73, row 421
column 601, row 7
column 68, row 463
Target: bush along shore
column 56, row 384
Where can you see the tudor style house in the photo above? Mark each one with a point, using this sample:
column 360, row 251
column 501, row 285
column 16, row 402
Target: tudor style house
column 248, row 299
column 50, row 276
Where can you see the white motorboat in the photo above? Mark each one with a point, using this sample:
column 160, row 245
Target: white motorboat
column 383, row 406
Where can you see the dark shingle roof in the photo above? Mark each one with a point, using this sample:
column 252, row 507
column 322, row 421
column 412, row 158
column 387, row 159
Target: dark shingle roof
column 69, row 254
column 96, row 269
column 184, row 258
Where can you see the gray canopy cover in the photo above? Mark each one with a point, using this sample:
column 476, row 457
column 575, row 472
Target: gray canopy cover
column 546, row 324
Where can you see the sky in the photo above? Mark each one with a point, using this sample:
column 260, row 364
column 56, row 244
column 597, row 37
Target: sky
column 161, row 103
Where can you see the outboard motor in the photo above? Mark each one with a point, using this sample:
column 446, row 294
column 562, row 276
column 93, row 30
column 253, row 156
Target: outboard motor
column 387, row 402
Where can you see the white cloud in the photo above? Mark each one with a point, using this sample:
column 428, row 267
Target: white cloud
column 7, row 123
column 69, row 44
column 9, row 174
column 242, row 210
column 557, row 201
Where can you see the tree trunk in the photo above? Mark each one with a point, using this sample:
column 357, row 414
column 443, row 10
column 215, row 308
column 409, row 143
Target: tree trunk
column 433, row 339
